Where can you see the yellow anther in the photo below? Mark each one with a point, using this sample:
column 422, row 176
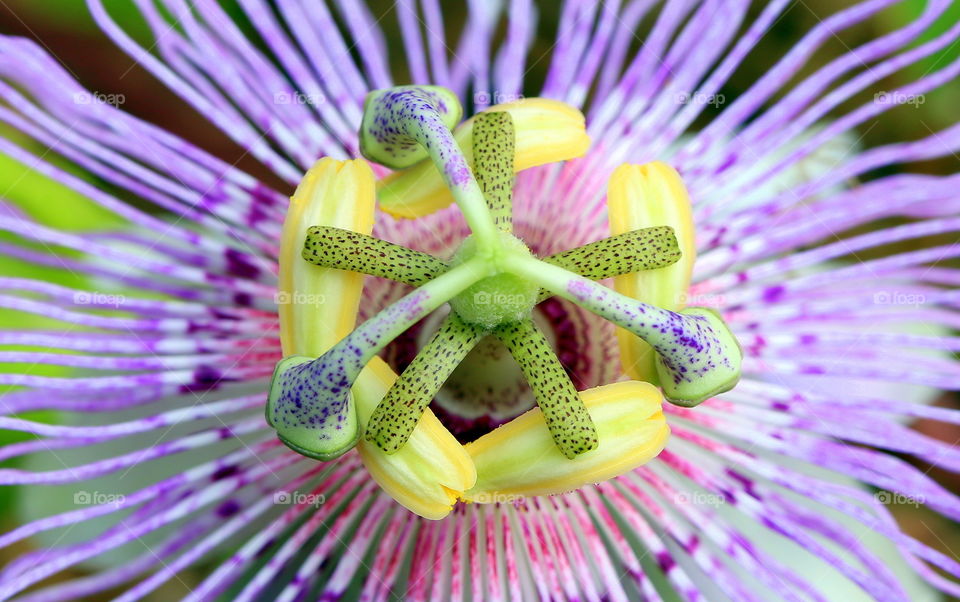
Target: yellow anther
column 318, row 306
column 520, row 459
column 639, row 196
column 431, row 471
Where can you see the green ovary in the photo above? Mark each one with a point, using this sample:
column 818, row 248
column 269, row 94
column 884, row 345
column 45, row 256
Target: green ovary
column 500, row 299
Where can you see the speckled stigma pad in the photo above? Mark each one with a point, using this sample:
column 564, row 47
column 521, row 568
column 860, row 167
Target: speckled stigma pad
column 702, row 362
column 397, row 415
column 634, row 251
column 698, row 356
column 355, row 252
column 400, row 124
column 493, row 150
column 313, row 415
column 567, row 418
column 310, row 403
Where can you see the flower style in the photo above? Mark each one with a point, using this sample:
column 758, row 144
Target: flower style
column 478, row 417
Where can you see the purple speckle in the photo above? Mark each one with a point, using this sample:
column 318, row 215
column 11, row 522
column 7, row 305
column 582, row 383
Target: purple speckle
column 205, row 378
column 773, row 294
column 223, row 473
column 228, row 508
column 665, row 561
column 239, row 264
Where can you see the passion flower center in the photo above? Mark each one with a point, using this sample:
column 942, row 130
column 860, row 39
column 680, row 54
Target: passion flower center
column 492, row 285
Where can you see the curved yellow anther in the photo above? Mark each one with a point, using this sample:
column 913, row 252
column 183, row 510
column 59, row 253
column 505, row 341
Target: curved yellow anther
column 318, row 307
column 640, row 196
column 520, row 459
column 431, row 471
column 547, row 131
